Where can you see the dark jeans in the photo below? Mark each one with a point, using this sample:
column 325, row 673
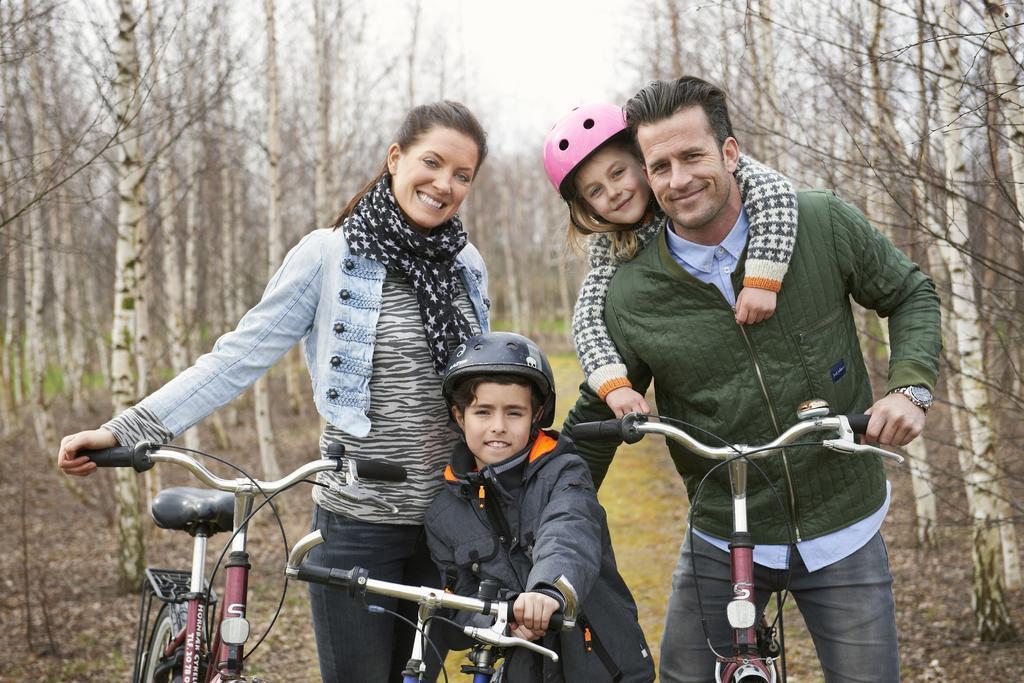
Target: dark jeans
column 848, row 608
column 353, row 645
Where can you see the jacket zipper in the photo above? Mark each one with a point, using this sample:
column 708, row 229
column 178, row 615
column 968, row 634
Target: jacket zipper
column 775, row 424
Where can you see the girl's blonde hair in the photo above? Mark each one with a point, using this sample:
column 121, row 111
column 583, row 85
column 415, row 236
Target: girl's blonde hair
column 583, row 222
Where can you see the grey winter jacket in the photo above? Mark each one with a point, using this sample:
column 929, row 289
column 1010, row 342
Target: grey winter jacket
column 555, row 527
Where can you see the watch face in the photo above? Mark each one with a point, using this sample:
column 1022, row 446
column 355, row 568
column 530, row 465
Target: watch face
column 921, row 394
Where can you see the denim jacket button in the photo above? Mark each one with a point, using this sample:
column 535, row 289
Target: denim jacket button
column 349, row 264
column 344, row 294
column 339, row 327
column 332, row 394
column 335, row 361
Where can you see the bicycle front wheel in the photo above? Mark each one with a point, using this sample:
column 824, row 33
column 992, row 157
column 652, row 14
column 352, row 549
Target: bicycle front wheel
column 156, row 666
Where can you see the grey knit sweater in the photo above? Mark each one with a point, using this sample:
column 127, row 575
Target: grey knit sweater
column 770, row 202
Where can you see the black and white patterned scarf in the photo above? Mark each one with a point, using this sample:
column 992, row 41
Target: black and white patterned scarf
column 378, row 230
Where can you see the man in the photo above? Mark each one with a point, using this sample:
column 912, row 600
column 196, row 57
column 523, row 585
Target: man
column 670, row 312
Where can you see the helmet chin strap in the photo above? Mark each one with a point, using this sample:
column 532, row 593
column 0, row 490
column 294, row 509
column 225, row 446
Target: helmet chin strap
column 492, row 473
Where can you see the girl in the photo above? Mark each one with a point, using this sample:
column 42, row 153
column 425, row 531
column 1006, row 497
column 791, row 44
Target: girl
column 379, row 301
column 592, row 161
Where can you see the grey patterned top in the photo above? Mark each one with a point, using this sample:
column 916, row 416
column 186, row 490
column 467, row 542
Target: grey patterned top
column 408, row 414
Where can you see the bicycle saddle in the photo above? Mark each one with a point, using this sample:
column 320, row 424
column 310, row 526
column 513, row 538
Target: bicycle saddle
column 190, row 509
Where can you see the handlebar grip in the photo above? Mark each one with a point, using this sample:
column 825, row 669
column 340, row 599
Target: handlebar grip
column 121, row 456
column 605, row 429
column 381, row 471
column 859, row 423
column 328, row 576
column 118, row 456
column 556, row 622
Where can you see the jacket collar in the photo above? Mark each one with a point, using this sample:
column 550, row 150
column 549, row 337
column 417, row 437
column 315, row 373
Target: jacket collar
column 462, row 469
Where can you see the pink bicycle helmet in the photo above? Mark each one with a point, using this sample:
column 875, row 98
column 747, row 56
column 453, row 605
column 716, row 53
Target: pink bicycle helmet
column 576, row 135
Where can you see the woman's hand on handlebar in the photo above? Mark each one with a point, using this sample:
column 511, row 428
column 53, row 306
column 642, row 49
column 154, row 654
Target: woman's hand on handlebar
column 68, row 459
column 531, row 612
column 625, row 400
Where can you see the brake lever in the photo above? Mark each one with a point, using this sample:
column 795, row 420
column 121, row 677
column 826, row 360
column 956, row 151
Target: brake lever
column 488, row 636
column 844, row 446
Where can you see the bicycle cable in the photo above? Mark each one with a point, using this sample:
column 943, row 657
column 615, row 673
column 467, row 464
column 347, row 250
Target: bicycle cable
column 380, row 609
column 780, row 595
column 242, row 525
column 689, row 531
column 284, row 589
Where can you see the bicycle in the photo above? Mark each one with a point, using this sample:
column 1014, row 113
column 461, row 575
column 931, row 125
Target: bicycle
column 175, row 648
column 755, row 651
column 490, row 601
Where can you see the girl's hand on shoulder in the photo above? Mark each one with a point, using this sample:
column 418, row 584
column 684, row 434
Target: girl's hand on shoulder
column 68, row 459
column 531, row 612
column 624, row 400
column 755, row 305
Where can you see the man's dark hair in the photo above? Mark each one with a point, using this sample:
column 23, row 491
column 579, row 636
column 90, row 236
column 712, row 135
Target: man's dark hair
column 660, row 100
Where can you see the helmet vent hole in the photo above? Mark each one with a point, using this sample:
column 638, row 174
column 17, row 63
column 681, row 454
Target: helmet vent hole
column 512, row 346
column 563, row 145
column 588, row 124
column 478, row 347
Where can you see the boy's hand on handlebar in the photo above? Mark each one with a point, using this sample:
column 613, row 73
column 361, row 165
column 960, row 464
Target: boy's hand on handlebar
column 531, row 612
column 68, row 459
column 895, row 421
column 754, row 305
column 624, row 400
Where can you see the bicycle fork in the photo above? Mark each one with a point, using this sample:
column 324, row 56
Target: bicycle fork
column 746, row 663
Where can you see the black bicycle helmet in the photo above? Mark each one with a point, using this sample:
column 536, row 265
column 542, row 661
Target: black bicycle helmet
column 502, row 353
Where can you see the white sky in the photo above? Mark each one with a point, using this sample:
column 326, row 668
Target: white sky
column 528, row 61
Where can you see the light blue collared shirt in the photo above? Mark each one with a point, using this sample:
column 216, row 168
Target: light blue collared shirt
column 715, row 265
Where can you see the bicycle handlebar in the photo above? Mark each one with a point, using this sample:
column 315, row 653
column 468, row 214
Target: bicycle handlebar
column 634, row 426
column 144, row 455
column 357, row 580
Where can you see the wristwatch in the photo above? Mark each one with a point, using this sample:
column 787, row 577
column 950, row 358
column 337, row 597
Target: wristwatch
column 918, row 395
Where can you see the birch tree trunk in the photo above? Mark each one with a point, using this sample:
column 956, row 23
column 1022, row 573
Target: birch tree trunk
column 264, row 429
column 190, row 268
column 131, row 213
column 1007, row 83
column 39, row 239
column 322, row 172
column 7, row 303
column 515, row 299
column 992, row 620
column 889, row 139
column 1007, row 77
column 9, row 354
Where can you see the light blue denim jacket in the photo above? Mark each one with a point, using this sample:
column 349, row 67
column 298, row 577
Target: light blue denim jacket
column 324, row 295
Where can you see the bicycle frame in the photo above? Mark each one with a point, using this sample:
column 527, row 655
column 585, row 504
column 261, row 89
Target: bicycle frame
column 745, row 661
column 233, row 628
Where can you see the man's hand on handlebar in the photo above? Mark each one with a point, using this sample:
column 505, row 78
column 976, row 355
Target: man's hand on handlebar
column 895, row 421
column 531, row 612
column 68, row 459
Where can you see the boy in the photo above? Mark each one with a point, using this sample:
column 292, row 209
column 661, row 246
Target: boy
column 520, row 508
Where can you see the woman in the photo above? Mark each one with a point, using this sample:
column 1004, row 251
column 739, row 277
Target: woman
column 379, row 300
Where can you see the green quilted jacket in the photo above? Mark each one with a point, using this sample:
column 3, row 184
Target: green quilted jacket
column 708, row 370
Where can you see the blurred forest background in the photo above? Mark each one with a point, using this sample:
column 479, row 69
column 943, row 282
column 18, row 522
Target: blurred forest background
column 159, row 157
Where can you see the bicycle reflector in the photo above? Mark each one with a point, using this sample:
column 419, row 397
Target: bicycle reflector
column 741, row 614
